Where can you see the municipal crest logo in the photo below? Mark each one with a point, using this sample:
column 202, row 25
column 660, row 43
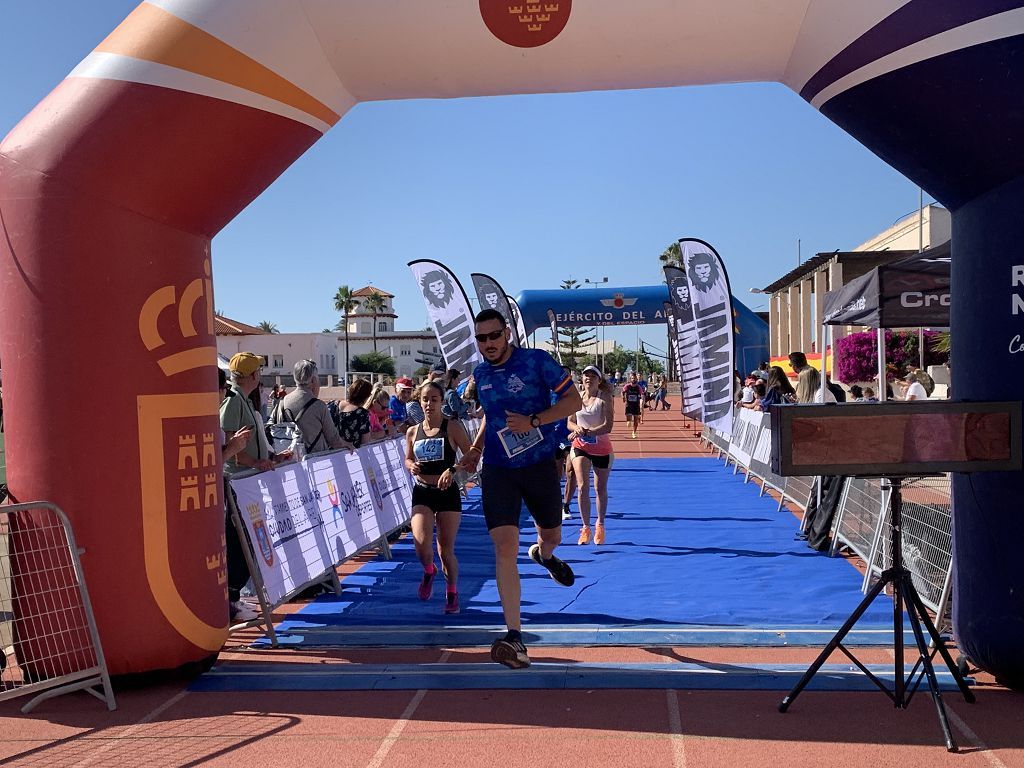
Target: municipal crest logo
column 618, row 301
column 515, row 385
column 263, row 542
column 525, row 24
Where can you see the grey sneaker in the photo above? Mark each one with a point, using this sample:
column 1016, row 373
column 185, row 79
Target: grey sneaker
column 559, row 569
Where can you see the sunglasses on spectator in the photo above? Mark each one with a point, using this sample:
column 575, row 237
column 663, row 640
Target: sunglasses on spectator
column 482, row 337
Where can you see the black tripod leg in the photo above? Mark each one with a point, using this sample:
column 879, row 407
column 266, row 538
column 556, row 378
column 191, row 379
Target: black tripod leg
column 940, row 646
column 834, row 643
column 906, row 585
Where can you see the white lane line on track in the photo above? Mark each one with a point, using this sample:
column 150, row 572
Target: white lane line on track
column 396, row 730
column 116, row 741
column 983, row 749
column 675, row 727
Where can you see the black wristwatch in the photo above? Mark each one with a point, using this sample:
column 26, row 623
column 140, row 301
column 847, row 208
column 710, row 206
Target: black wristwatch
column 535, row 420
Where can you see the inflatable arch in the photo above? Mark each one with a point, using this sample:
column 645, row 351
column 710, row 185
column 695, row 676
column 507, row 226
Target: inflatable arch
column 634, row 305
column 112, row 188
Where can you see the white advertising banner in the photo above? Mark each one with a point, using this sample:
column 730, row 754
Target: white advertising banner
column 746, row 428
column 450, row 315
column 687, row 347
column 305, row 518
column 713, row 316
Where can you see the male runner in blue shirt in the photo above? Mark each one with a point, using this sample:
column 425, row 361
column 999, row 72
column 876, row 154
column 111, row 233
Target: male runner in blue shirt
column 517, row 441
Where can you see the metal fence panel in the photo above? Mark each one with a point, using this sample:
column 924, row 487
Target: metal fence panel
column 860, row 510
column 927, row 540
column 798, row 490
column 48, row 639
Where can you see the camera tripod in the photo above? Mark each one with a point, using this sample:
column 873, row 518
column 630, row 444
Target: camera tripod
column 904, row 596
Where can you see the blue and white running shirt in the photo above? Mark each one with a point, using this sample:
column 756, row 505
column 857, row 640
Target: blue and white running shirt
column 522, row 384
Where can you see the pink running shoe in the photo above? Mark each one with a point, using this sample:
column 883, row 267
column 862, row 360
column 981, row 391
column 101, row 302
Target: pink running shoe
column 426, row 588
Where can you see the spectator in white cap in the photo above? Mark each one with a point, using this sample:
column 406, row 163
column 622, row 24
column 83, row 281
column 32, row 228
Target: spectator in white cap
column 398, row 404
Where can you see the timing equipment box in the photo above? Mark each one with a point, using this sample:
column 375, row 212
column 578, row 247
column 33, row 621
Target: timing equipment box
column 896, row 438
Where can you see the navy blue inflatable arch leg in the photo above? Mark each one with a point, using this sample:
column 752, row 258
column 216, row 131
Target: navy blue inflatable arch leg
column 988, row 364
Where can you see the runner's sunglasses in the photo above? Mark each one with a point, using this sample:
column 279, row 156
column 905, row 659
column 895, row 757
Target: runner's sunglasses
column 492, row 336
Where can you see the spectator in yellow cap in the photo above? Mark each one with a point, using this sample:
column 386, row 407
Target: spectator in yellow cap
column 236, row 412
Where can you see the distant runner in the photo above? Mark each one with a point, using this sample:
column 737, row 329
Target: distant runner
column 633, row 397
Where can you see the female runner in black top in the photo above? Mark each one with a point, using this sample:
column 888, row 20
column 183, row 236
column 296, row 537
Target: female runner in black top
column 430, row 457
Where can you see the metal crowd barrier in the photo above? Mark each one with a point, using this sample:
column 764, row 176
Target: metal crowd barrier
column 857, row 524
column 49, row 644
column 927, row 542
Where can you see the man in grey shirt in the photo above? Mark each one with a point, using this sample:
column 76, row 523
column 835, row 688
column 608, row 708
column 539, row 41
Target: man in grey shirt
column 304, row 406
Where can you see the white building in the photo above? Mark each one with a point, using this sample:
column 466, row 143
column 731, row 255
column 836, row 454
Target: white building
column 282, row 350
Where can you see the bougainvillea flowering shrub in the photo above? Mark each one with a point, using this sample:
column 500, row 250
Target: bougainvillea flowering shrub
column 858, row 354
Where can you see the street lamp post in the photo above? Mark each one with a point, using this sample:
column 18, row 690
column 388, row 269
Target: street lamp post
column 595, row 283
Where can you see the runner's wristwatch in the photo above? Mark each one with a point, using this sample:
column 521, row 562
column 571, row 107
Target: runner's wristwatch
column 535, row 420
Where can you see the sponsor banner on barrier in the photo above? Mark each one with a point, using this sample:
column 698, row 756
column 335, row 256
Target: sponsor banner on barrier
column 307, row 517
column 713, row 315
column 751, row 445
column 746, row 429
column 389, row 482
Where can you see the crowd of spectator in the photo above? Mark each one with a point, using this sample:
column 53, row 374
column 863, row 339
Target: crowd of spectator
column 769, row 385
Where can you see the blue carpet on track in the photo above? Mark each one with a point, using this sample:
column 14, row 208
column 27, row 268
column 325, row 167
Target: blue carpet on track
column 693, row 556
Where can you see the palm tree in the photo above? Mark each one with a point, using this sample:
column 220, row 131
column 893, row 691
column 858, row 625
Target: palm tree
column 375, row 304
column 344, row 302
column 672, row 256
column 267, row 326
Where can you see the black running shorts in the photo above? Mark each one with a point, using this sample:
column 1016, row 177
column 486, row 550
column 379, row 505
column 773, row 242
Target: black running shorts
column 448, row 500
column 506, row 489
column 599, row 462
column 632, row 409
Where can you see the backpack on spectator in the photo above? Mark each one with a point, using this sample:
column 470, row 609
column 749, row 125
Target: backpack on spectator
column 283, row 429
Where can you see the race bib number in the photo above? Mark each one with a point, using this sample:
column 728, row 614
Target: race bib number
column 632, row 397
column 516, row 443
column 588, row 439
column 430, row 449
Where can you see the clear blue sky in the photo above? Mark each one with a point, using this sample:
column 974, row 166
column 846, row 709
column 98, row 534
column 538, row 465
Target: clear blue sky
column 531, row 189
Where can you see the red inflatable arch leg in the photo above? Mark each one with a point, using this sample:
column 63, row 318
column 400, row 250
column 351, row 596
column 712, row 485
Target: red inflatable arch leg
column 107, row 216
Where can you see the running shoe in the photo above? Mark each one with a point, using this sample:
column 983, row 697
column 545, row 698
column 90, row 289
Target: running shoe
column 451, row 602
column 559, row 569
column 599, row 534
column 427, row 585
column 584, row 535
column 634, row 434
column 566, row 514
column 510, row 651
column 242, row 613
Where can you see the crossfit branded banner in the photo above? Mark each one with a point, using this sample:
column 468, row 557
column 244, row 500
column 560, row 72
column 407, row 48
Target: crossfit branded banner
column 305, row 518
column 491, row 296
column 555, row 346
column 450, row 315
column 713, row 317
column 687, row 347
column 520, row 328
